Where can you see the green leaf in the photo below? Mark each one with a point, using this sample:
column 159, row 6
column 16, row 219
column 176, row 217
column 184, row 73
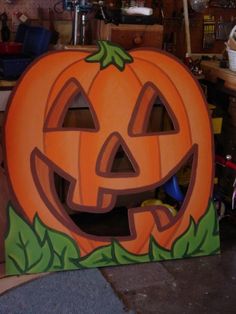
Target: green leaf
column 121, row 256
column 158, row 253
column 100, row 257
column 46, row 261
column 39, row 248
column 110, row 255
column 110, row 54
column 208, row 232
column 199, row 239
column 63, row 248
column 186, row 242
column 24, row 254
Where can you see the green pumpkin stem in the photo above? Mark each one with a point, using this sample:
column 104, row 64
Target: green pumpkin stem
column 110, row 54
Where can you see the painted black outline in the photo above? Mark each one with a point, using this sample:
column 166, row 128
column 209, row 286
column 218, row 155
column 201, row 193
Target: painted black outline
column 78, row 89
column 139, row 104
column 108, row 173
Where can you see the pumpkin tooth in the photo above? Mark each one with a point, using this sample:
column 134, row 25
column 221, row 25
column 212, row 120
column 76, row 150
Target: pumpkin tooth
column 163, row 217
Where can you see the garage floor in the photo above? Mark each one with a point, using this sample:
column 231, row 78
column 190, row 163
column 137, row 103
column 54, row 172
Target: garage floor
column 199, row 285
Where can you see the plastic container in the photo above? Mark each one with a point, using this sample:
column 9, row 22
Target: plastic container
column 11, row 67
column 232, row 53
column 232, row 59
column 10, row 48
column 36, row 41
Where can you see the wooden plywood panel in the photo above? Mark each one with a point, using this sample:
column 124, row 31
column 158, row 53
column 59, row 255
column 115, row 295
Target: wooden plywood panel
column 131, row 36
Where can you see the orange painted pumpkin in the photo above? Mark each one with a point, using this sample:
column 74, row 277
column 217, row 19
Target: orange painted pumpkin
column 120, row 93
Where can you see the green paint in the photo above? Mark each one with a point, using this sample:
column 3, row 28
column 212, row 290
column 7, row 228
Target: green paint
column 23, row 251
column 110, row 54
column 63, row 248
column 110, row 255
column 37, row 248
column 200, row 239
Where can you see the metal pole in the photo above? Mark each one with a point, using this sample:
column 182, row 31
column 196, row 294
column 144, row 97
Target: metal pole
column 187, row 29
column 82, row 28
column 75, row 25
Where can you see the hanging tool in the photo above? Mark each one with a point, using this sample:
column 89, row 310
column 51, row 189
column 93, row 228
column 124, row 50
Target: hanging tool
column 5, row 31
column 208, row 31
column 54, row 32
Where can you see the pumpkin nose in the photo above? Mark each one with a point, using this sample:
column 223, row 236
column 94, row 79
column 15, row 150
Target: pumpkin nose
column 115, row 158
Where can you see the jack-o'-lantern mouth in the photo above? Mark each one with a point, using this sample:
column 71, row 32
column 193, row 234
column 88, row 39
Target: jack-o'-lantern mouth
column 108, row 210
column 166, row 201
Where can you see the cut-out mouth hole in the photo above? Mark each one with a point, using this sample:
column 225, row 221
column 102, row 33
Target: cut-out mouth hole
column 115, row 223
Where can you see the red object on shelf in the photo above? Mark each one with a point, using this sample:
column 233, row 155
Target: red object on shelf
column 10, row 47
column 224, row 162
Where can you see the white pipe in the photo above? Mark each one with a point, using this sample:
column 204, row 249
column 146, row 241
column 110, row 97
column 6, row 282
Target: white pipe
column 187, row 29
column 75, row 25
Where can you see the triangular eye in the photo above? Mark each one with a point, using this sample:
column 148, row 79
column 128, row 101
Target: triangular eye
column 78, row 114
column 159, row 119
column 72, row 109
column 152, row 114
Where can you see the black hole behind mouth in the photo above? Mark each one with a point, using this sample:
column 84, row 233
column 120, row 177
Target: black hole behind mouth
column 112, row 224
column 115, row 223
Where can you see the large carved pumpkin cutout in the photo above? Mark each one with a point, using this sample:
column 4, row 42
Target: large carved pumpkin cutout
column 120, row 90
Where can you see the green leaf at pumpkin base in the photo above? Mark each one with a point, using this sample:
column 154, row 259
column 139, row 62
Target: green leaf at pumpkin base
column 63, row 248
column 98, row 258
column 110, row 255
column 39, row 248
column 200, row 239
column 124, row 257
column 158, row 253
column 24, row 254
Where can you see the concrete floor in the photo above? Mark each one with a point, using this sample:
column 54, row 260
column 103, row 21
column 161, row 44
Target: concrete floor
column 190, row 286
column 198, row 285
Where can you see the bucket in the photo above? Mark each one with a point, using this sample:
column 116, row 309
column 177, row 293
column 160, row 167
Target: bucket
column 232, row 59
column 232, row 53
column 10, row 48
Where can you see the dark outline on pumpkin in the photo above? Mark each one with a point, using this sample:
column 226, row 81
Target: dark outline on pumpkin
column 158, row 51
column 15, row 199
column 108, row 173
column 141, row 257
column 54, row 107
column 139, row 104
column 67, row 221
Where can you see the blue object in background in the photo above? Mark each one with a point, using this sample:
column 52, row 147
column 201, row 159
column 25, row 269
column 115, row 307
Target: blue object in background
column 35, row 40
column 172, row 188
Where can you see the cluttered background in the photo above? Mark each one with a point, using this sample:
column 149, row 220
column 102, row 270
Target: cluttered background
column 209, row 28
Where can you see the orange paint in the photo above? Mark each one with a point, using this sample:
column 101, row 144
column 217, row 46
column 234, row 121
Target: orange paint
column 120, row 101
